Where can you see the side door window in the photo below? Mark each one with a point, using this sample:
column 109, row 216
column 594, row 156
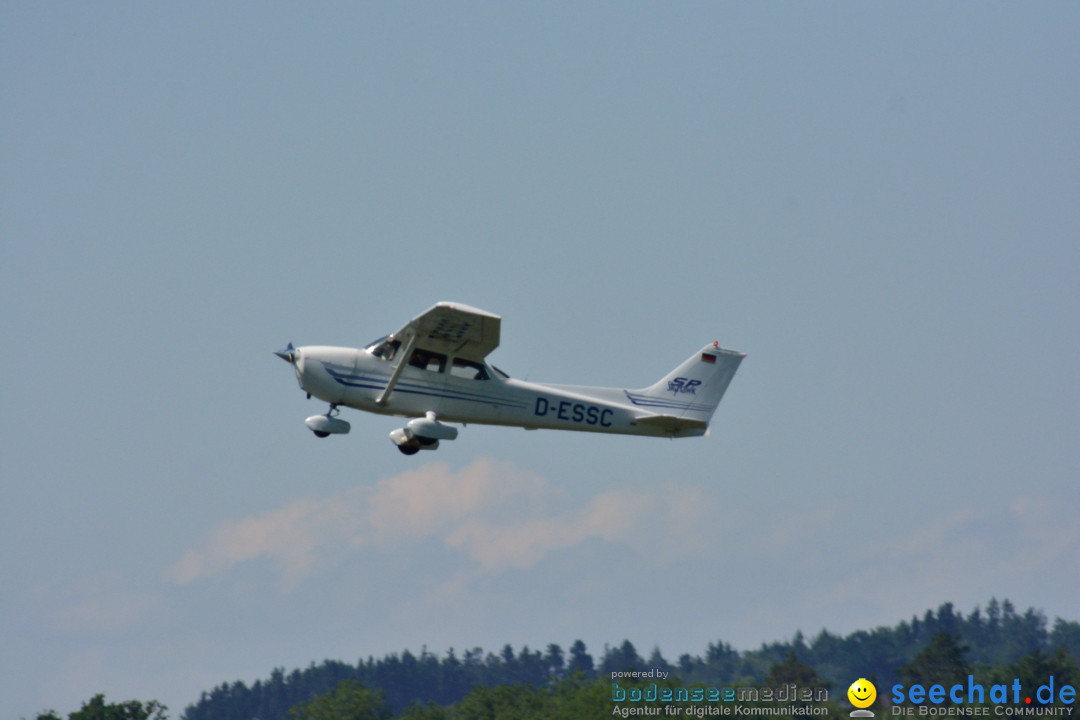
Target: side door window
column 468, row 370
column 427, row 360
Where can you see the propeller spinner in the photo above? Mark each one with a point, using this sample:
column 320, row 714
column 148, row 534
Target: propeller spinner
column 288, row 354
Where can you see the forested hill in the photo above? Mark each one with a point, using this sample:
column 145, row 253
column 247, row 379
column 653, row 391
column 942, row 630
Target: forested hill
column 984, row 639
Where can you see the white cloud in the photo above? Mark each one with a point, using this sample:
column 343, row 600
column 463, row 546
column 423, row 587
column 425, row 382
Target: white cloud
column 495, row 514
column 965, row 554
column 432, row 498
column 293, row 537
column 91, row 606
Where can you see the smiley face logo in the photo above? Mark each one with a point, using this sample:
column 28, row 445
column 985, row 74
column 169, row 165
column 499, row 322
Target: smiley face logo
column 862, row 693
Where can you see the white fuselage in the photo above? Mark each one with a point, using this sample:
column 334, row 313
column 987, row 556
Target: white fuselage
column 356, row 378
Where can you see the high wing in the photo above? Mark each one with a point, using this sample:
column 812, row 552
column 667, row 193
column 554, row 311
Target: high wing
column 454, row 329
column 446, row 328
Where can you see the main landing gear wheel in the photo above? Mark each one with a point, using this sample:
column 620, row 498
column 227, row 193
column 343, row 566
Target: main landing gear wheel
column 408, row 449
column 320, row 434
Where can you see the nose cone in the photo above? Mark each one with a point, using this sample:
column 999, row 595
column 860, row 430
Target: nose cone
column 288, row 354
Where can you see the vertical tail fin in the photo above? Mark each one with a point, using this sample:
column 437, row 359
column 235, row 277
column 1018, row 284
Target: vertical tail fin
column 692, row 390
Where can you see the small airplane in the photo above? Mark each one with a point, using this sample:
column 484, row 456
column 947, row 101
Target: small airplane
column 434, row 371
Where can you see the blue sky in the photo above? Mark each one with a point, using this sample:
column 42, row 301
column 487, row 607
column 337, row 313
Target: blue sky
column 876, row 202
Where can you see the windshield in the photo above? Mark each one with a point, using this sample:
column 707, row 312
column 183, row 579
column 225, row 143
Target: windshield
column 385, row 348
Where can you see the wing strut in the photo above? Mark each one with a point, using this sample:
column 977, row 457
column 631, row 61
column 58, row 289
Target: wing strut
column 406, row 351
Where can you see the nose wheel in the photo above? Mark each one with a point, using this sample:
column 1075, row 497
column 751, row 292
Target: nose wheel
column 329, row 424
column 331, row 413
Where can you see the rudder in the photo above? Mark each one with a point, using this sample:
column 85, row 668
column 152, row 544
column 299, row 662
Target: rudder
column 693, row 389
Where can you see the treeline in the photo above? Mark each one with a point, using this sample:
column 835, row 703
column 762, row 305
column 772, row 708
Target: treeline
column 995, row 637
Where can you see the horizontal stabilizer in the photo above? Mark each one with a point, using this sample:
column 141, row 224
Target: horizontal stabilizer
column 672, row 424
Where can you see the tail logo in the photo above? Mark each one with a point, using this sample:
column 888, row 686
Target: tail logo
column 682, row 385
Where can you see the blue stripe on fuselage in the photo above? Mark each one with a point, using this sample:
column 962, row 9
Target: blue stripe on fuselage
column 653, row 401
column 368, row 382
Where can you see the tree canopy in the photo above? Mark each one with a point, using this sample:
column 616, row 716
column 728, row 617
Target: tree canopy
column 939, row 647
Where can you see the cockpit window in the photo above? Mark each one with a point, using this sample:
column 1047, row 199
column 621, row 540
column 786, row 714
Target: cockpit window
column 384, row 348
column 468, row 370
column 427, row 360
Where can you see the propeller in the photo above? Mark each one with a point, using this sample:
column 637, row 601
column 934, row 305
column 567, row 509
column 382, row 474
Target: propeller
column 288, row 354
